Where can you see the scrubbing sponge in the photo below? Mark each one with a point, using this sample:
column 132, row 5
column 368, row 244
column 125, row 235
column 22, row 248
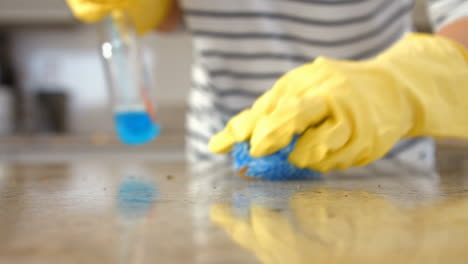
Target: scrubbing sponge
column 274, row 167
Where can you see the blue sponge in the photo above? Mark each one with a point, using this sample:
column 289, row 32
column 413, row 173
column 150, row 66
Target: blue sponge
column 274, row 167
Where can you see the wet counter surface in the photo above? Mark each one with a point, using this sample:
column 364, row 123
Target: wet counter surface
column 142, row 211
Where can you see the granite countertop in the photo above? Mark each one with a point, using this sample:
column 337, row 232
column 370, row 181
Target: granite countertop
column 125, row 209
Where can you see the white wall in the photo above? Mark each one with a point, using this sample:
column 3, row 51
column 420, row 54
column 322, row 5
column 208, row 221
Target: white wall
column 68, row 58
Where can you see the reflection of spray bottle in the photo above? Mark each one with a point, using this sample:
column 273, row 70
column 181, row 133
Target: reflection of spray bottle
column 135, row 204
column 128, row 78
column 136, row 198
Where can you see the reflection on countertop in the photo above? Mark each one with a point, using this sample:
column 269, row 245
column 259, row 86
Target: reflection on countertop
column 125, row 209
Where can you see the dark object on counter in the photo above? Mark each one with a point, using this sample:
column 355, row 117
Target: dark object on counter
column 52, row 112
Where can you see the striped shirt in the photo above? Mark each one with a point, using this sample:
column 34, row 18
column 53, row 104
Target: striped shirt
column 242, row 47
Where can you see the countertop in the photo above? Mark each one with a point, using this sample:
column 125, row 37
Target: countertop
column 124, row 209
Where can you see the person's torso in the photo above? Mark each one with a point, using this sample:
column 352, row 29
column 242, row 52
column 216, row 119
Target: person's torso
column 244, row 46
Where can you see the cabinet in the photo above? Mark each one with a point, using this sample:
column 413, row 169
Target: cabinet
column 33, row 12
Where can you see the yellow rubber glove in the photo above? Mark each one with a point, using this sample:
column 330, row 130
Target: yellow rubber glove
column 352, row 113
column 145, row 14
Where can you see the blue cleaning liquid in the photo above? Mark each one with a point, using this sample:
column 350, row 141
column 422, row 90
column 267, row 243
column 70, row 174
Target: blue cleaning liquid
column 136, row 128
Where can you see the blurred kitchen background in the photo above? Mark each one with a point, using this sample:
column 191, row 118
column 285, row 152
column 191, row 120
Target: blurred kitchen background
column 53, row 91
column 53, row 88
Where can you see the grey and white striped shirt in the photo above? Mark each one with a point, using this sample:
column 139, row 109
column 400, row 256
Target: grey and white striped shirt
column 242, row 47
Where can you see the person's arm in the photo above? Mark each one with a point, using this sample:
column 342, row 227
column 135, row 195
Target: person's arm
column 350, row 113
column 457, row 30
column 449, row 18
column 172, row 20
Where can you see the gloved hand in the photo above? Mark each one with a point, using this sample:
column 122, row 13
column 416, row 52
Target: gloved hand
column 352, row 113
column 145, row 14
